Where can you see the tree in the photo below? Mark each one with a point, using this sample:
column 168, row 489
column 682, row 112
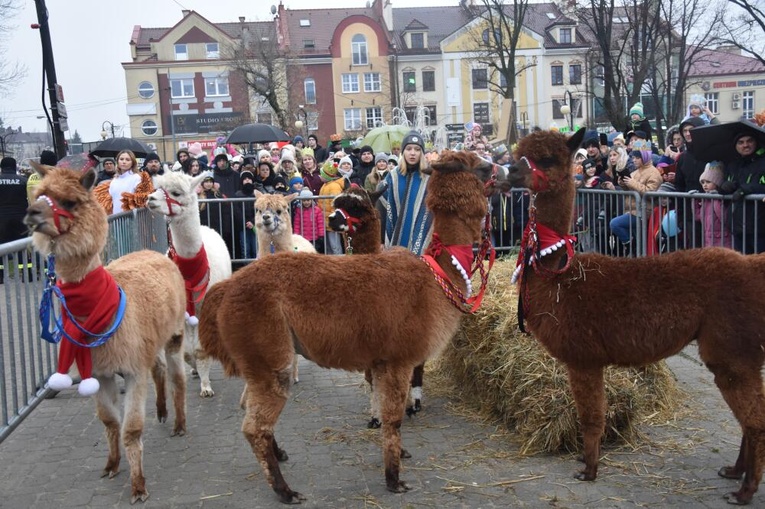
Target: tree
column 498, row 36
column 76, row 138
column 9, row 72
column 744, row 27
column 262, row 62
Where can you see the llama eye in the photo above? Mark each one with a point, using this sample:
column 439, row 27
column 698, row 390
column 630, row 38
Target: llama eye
column 176, row 193
column 68, row 204
column 546, row 162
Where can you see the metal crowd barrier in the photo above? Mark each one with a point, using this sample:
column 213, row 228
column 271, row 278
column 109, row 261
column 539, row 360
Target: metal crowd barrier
column 26, row 360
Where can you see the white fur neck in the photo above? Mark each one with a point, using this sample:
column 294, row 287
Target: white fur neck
column 186, row 233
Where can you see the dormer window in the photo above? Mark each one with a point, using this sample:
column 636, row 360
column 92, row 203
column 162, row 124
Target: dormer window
column 212, row 50
column 359, row 50
column 181, row 52
column 566, row 36
column 417, row 40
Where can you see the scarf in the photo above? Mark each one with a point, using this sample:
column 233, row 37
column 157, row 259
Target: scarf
column 196, row 275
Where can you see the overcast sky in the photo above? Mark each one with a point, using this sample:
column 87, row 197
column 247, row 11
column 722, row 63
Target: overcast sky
column 90, row 42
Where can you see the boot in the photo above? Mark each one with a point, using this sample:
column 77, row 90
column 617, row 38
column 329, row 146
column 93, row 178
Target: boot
column 628, row 249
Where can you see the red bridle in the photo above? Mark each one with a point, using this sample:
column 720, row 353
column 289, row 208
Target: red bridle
column 58, row 212
column 170, row 202
column 351, row 221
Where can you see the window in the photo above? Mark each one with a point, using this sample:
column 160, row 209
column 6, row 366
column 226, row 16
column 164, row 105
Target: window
column 359, row 50
column 575, row 74
column 480, row 79
column 502, row 80
column 482, row 116
column 212, row 50
column 182, row 88
column 374, row 117
column 556, row 104
column 418, row 40
column 713, row 102
column 492, row 41
column 305, row 22
column 352, row 117
column 565, row 36
column 410, row 82
column 350, row 83
column 310, row 91
column 312, row 119
column 428, row 81
column 747, row 104
column 263, row 118
column 146, row 90
column 216, row 86
column 149, row 128
column 556, row 71
column 309, row 44
column 372, row 82
column 181, row 52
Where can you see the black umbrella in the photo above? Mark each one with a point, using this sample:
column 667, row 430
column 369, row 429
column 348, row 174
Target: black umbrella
column 716, row 142
column 257, row 133
column 110, row 147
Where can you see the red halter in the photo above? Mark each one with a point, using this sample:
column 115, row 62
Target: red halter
column 58, row 212
column 170, row 202
column 351, row 221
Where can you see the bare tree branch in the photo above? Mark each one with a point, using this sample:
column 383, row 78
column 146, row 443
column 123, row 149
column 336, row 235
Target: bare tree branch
column 744, row 28
column 10, row 72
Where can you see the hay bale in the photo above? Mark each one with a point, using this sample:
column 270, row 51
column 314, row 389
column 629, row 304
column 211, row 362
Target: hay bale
column 508, row 376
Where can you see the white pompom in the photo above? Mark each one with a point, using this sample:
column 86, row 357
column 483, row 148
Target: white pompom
column 59, row 381
column 88, row 387
column 192, row 320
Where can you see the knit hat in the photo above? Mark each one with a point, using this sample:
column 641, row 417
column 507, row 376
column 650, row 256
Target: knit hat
column 287, row 156
column 296, row 180
column 413, row 138
column 393, row 159
column 246, row 174
column 305, row 194
column 298, row 139
column 667, row 187
column 151, row 157
column 588, row 164
column 263, row 153
column 366, row 148
column 619, row 137
column 195, row 149
column 698, row 101
column 237, row 159
column 637, row 109
column 8, row 163
column 581, row 152
column 208, row 177
column 591, row 142
column 314, row 137
column 328, row 171
column 713, row 172
column 48, row 157
column 220, row 157
column 640, row 134
column 345, row 159
column 381, row 156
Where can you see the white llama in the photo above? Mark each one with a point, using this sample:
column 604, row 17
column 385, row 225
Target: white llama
column 200, row 253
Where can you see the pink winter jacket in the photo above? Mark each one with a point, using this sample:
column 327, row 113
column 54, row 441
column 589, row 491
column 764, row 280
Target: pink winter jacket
column 309, row 222
column 715, row 219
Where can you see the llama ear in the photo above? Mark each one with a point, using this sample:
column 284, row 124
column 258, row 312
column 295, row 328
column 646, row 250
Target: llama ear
column 575, row 141
column 258, row 194
column 196, row 181
column 291, row 197
column 41, row 169
column 88, row 179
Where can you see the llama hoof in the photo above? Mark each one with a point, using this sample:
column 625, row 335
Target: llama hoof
column 110, row 472
column 141, row 496
column 178, row 431
column 411, row 411
column 730, row 473
column 405, row 454
column 398, row 487
column 584, row 476
column 207, row 392
column 291, row 497
column 162, row 414
column 282, row 455
column 194, row 373
column 374, row 423
column 737, row 498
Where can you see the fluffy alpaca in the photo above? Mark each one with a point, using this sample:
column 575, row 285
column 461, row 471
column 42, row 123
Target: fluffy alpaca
column 562, row 295
column 175, row 197
column 390, row 342
column 273, row 226
column 68, row 223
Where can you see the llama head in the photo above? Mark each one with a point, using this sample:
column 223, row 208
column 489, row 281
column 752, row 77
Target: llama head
column 455, row 192
column 352, row 205
column 175, row 194
column 543, row 160
column 272, row 213
column 66, row 218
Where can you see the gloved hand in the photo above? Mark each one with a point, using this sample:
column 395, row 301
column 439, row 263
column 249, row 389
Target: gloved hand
column 738, row 194
column 693, row 191
column 728, row 187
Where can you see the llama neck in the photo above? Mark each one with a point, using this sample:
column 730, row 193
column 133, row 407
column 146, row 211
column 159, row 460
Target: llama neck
column 453, row 232
column 187, row 234
column 555, row 208
column 366, row 240
column 74, row 269
column 268, row 243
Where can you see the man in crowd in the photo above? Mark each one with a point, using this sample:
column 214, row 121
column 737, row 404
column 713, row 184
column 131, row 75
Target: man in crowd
column 319, row 153
column 152, row 165
column 13, row 203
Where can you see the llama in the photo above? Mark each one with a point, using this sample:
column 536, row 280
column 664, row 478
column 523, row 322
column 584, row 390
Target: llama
column 68, row 225
column 200, row 253
column 561, row 294
column 390, row 342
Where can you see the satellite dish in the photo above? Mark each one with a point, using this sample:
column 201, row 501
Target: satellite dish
column 273, row 9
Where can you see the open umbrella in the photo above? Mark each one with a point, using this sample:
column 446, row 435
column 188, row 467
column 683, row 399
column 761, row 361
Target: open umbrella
column 77, row 162
column 110, row 147
column 716, row 142
column 381, row 138
column 257, row 133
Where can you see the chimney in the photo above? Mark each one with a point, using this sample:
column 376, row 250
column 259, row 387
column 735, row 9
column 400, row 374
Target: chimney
column 241, row 19
column 185, row 12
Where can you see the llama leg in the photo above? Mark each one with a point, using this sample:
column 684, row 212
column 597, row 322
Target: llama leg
column 374, row 402
column 588, row 388
column 109, row 414
column 741, row 387
column 737, row 470
column 392, row 383
column 415, row 395
column 295, row 378
column 203, row 363
column 265, row 402
column 177, row 377
column 159, row 374
column 132, row 431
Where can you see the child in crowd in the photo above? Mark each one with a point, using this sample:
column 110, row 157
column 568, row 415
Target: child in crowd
column 713, row 213
column 308, row 220
column 378, row 173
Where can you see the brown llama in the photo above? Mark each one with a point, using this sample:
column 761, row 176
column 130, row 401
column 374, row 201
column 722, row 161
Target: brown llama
column 68, row 224
column 712, row 295
column 260, row 346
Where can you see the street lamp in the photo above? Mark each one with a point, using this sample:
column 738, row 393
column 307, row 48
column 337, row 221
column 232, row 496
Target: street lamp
column 104, row 133
column 566, row 109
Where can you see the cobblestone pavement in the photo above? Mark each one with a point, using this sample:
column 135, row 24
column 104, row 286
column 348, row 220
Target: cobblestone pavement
column 55, row 457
